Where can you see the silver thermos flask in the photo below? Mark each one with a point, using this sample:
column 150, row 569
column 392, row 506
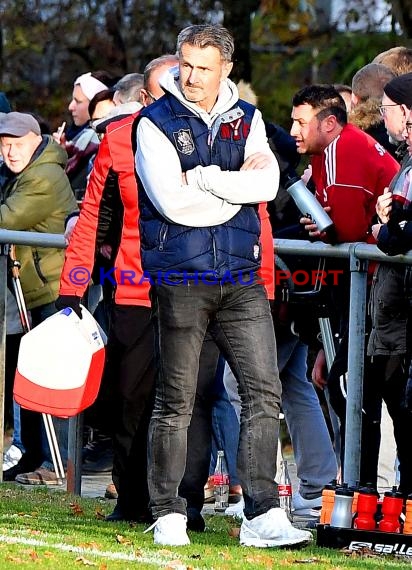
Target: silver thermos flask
column 307, row 203
column 342, row 508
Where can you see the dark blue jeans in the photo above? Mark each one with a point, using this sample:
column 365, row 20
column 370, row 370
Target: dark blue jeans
column 239, row 319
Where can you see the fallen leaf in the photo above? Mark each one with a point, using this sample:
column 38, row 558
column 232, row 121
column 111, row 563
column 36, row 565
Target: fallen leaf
column 306, row 561
column 263, row 559
column 33, row 555
column 76, row 509
column 16, row 559
column 90, row 545
column 84, row 561
column 99, row 514
column 123, row 540
column 234, row 531
column 361, row 553
column 177, row 565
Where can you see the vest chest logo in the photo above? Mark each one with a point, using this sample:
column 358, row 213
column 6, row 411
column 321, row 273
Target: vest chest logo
column 184, row 141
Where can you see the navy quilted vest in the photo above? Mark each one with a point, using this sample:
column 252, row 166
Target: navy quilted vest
column 233, row 246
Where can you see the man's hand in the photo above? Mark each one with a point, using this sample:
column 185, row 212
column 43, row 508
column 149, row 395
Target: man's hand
column 319, row 370
column 257, row 161
column 69, row 228
column 384, row 206
column 313, row 228
column 307, row 174
column 375, row 230
column 106, row 250
column 71, row 301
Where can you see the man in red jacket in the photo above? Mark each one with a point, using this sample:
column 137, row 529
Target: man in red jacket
column 350, row 170
column 130, row 347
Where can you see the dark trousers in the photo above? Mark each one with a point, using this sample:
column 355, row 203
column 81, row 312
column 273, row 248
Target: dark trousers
column 128, row 399
column 239, row 319
column 130, row 374
column 385, row 379
column 199, row 433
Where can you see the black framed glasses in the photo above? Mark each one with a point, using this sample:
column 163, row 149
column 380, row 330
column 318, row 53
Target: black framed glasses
column 408, row 127
column 153, row 98
column 382, row 108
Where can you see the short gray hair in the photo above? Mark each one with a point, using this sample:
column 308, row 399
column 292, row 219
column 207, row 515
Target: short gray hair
column 156, row 63
column 129, row 86
column 205, row 35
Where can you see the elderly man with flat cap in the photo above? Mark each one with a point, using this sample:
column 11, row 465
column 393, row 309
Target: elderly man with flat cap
column 35, row 195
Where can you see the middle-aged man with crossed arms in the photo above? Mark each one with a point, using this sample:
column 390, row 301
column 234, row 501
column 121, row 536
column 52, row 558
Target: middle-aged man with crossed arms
column 203, row 162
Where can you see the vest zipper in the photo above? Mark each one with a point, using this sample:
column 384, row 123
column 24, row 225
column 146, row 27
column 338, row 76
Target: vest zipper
column 214, row 250
column 163, row 235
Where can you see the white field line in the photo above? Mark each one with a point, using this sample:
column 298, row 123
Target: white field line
column 155, row 559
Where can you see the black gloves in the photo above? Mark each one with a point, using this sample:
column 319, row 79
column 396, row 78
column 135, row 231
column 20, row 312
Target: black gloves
column 71, row 301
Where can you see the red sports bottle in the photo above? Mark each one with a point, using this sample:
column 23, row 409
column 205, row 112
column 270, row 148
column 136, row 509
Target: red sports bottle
column 366, row 508
column 391, row 511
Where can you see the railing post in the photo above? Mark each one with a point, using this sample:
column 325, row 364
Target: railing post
column 356, row 352
column 74, row 456
column 4, row 252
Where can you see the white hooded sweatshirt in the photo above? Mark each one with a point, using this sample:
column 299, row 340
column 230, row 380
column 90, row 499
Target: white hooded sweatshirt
column 211, row 196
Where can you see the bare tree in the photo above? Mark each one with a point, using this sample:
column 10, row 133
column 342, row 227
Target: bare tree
column 402, row 11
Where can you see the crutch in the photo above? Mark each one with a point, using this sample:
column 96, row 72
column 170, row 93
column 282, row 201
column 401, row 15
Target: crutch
column 330, row 352
column 25, row 322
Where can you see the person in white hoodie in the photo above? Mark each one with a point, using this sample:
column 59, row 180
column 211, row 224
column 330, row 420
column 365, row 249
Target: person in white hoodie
column 203, row 164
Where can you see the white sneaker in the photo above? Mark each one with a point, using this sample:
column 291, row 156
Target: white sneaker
column 170, row 530
column 302, row 507
column 236, row 510
column 272, row 529
column 11, row 457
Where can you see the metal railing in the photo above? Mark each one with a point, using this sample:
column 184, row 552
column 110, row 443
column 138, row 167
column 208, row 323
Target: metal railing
column 358, row 254
column 75, row 424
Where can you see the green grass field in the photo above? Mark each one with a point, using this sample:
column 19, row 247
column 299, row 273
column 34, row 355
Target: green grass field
column 50, row 529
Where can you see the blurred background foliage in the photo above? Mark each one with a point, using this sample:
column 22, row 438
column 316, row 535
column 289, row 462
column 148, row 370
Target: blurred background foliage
column 281, row 45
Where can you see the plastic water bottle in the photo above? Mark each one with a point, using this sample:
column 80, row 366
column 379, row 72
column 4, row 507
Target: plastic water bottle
column 366, row 508
column 391, row 511
column 221, row 482
column 285, row 489
column 342, row 508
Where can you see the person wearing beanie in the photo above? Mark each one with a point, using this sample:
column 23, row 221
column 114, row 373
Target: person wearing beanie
column 80, row 141
column 395, row 107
